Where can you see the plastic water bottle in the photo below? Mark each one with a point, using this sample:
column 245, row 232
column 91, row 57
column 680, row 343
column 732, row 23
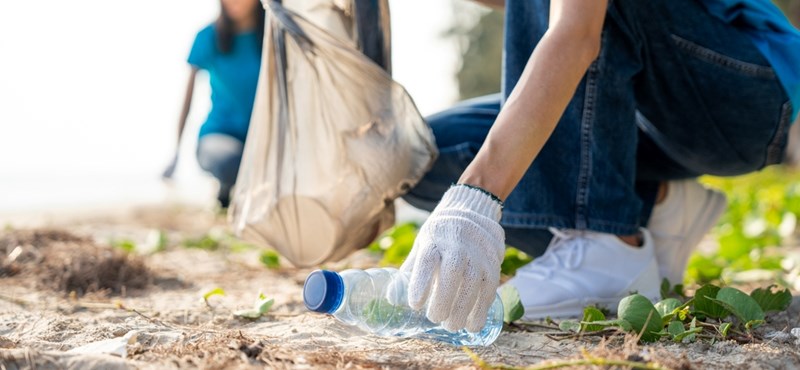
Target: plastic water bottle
column 376, row 300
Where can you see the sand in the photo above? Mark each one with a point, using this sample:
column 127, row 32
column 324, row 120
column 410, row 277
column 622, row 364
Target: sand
column 171, row 326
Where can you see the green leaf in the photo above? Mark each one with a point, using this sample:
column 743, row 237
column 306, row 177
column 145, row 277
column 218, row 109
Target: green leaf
column 396, row 244
column 213, row 292
column 270, row 259
column 157, row 241
column 704, row 302
column 679, row 290
column 642, row 315
column 723, row 329
column 683, row 313
column 674, row 329
column 260, row 307
column 668, row 290
column 665, row 288
column 622, row 324
column 771, row 300
column 591, row 314
column 744, row 307
column 206, row 242
column 734, row 244
column 513, row 260
column 570, row 325
column 125, row 245
column 752, row 324
column 239, row 246
column 666, row 306
column 702, row 269
column 689, row 335
column 264, row 304
column 512, row 307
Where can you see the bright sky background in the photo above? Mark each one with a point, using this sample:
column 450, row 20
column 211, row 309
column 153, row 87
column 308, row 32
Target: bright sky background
column 90, row 92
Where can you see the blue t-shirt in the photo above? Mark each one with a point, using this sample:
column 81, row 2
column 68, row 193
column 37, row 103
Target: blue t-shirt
column 233, row 77
column 771, row 33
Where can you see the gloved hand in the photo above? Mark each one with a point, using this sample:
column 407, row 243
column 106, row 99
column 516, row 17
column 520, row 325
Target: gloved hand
column 456, row 259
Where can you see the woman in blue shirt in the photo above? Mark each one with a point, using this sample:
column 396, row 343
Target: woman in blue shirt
column 610, row 109
column 230, row 51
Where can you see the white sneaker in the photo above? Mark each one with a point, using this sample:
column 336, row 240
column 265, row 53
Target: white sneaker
column 582, row 268
column 679, row 223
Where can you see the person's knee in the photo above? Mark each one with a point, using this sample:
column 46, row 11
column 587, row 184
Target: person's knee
column 220, row 155
column 469, row 121
column 421, row 198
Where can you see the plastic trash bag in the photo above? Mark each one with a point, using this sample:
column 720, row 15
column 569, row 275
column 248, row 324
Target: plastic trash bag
column 333, row 139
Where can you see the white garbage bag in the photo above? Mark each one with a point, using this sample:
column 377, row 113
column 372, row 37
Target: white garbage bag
column 333, row 139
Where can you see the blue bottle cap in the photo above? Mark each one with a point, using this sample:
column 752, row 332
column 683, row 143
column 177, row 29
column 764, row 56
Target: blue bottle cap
column 323, row 291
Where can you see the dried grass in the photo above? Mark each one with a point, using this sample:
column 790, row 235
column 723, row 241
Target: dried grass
column 65, row 262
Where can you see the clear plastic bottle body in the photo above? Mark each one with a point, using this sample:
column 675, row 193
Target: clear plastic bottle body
column 376, row 300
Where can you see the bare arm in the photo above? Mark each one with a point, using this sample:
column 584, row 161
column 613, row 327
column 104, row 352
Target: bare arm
column 493, row 3
column 536, row 104
column 187, row 103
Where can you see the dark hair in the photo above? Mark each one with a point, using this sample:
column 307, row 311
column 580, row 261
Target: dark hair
column 226, row 30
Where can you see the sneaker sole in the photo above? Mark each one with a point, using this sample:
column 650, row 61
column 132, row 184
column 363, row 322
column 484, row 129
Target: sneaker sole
column 574, row 308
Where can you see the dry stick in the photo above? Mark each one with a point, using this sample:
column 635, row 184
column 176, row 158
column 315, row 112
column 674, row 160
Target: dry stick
column 525, row 325
column 100, row 305
column 16, row 301
column 152, row 320
column 739, row 336
column 708, row 325
column 559, row 336
column 644, row 327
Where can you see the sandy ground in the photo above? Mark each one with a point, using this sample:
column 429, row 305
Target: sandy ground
column 40, row 321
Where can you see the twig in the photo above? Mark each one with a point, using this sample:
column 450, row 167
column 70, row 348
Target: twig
column 524, row 325
column 708, row 325
column 152, row 320
column 100, row 306
column 16, row 301
column 742, row 340
column 644, row 327
column 559, row 336
column 553, row 337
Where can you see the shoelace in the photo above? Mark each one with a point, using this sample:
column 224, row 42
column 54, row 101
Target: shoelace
column 565, row 251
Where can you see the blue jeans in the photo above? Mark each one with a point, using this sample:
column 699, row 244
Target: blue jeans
column 675, row 93
column 220, row 155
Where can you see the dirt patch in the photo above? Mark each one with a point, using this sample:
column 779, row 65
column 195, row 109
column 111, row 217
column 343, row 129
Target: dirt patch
column 65, row 262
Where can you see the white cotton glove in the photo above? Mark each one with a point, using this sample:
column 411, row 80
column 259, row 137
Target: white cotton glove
column 456, row 259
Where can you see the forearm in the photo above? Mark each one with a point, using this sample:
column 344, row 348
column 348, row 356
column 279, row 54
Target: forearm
column 531, row 112
column 187, row 104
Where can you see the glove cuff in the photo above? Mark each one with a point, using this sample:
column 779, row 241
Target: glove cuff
column 475, row 199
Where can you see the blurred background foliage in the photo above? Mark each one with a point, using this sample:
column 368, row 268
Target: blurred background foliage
column 754, row 241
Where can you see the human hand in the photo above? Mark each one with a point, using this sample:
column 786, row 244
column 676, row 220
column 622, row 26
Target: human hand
column 456, row 259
